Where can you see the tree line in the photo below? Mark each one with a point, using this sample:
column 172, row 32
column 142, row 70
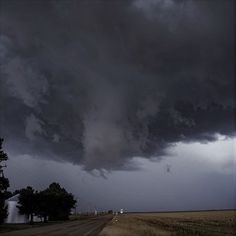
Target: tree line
column 53, row 203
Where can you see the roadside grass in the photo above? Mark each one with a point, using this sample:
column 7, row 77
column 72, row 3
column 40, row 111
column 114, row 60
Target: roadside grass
column 12, row 227
column 86, row 216
column 82, row 217
column 207, row 223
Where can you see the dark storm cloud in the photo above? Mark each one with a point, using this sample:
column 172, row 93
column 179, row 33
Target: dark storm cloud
column 98, row 82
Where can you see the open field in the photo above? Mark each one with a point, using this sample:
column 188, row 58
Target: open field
column 203, row 223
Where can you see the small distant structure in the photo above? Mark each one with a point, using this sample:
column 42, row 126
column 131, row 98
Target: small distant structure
column 95, row 212
column 168, row 168
column 121, row 211
column 14, row 217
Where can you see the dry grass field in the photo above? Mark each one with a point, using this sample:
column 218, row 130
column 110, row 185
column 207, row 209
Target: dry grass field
column 204, row 223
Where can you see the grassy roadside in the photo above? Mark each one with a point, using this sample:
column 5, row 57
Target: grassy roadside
column 12, row 227
column 83, row 217
column 208, row 223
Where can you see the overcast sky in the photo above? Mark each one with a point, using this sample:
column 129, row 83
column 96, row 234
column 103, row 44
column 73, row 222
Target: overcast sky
column 127, row 104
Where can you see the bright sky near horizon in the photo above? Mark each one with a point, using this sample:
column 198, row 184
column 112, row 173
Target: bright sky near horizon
column 193, row 176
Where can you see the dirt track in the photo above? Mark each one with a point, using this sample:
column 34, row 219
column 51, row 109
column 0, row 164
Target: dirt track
column 89, row 227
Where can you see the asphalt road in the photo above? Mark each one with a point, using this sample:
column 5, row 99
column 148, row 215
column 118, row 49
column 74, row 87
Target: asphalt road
column 89, row 227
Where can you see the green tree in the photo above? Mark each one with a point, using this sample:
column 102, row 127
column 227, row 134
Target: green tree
column 110, row 212
column 4, row 184
column 54, row 203
column 58, row 202
column 41, row 205
column 27, row 202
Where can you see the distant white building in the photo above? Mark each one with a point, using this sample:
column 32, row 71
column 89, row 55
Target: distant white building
column 14, row 217
column 95, row 212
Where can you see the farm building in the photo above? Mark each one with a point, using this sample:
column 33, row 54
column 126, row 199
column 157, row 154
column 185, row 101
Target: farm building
column 14, row 217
